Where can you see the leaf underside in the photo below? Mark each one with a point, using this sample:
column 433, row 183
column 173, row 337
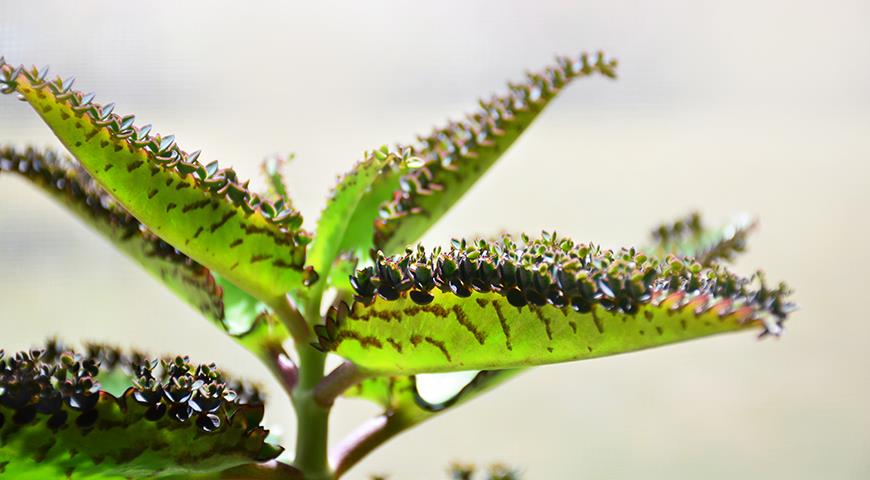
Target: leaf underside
column 456, row 156
column 506, row 305
column 201, row 210
column 220, row 301
column 175, row 420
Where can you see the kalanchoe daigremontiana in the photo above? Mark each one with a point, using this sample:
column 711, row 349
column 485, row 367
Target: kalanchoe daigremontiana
column 243, row 260
column 57, row 422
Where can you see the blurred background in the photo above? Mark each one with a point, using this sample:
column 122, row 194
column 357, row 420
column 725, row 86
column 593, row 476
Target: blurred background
column 760, row 107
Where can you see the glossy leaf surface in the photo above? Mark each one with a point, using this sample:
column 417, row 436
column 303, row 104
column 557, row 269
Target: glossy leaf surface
column 201, row 210
column 456, row 156
column 227, row 306
column 507, row 305
column 180, row 419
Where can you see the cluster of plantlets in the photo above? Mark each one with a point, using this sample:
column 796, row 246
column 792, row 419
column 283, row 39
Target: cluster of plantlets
column 393, row 310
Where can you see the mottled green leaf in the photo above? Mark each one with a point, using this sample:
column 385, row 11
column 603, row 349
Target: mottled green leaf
column 201, row 210
column 350, row 192
column 178, row 419
column 506, row 305
column 456, row 156
column 227, row 306
column 691, row 238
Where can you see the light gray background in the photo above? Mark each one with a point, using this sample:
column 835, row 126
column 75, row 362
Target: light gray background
column 742, row 106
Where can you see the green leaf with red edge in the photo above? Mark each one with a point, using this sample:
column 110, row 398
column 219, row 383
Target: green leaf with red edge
column 515, row 304
column 203, row 211
column 178, row 420
column 456, row 156
column 220, row 301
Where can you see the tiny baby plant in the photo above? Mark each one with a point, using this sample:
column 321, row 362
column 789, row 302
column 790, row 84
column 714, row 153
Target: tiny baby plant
column 393, row 310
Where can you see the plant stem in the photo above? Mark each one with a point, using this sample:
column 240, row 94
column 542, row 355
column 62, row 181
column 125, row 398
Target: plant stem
column 343, row 377
column 312, row 418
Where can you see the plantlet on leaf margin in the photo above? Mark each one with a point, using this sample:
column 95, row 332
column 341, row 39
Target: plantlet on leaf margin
column 245, row 262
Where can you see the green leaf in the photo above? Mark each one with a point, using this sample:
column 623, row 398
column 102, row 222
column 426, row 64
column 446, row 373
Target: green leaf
column 405, row 408
column 689, row 237
column 180, row 419
column 506, row 305
column 457, row 155
column 227, row 306
column 201, row 210
column 351, row 190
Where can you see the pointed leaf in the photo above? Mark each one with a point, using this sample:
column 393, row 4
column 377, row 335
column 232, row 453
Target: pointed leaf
column 507, row 305
column 346, row 197
column 227, row 306
column 457, row 155
column 213, row 219
column 689, row 237
column 56, row 423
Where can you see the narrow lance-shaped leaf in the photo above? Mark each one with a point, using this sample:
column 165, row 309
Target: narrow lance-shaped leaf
column 505, row 305
column 457, row 155
column 201, row 210
column 340, row 208
column 691, row 238
column 178, row 419
column 220, row 301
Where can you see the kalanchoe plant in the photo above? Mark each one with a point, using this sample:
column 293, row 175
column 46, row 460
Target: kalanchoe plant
column 494, row 306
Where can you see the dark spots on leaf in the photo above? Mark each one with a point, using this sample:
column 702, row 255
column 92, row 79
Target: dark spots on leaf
column 237, row 242
column 365, row 341
column 108, row 167
column 64, row 115
column 395, row 344
column 170, row 206
column 573, row 325
column 648, row 314
column 47, row 109
column 153, row 169
column 90, row 135
column 440, row 346
column 152, row 193
column 195, row 205
column 134, row 165
column 482, row 302
column 416, row 340
column 550, row 349
column 463, row 320
column 597, row 322
column 589, row 348
column 104, row 143
column 79, row 125
column 659, row 330
column 118, row 148
column 281, row 263
column 198, row 231
column 546, row 321
column 78, row 144
column 260, row 257
column 168, row 182
column 683, row 324
column 234, row 266
column 641, row 332
column 223, row 221
column 182, row 185
column 505, row 328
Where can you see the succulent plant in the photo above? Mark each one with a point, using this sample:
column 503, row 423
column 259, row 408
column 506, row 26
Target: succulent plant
column 243, row 259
